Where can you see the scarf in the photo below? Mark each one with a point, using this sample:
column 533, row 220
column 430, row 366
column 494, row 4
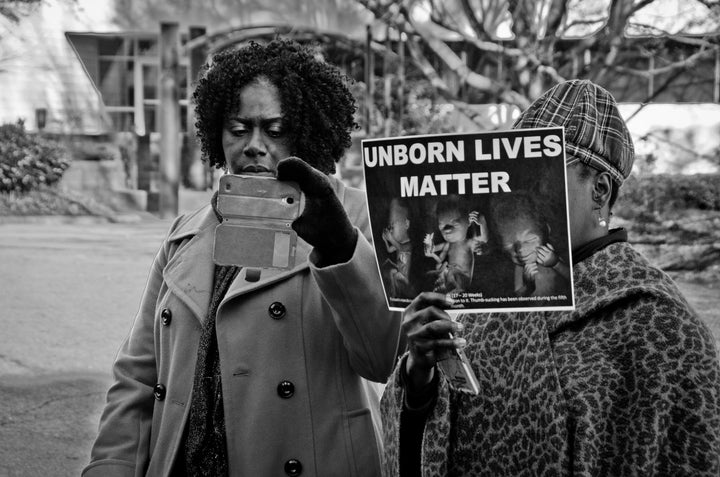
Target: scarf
column 205, row 446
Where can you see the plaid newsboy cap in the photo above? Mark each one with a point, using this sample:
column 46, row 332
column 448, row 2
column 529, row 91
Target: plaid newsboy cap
column 595, row 133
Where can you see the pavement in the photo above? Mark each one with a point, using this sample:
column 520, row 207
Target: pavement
column 68, row 295
column 69, row 291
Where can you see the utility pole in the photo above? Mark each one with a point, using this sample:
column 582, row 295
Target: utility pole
column 369, row 80
column 169, row 119
column 196, row 170
column 401, row 76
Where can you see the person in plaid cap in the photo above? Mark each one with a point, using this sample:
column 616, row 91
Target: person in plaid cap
column 626, row 384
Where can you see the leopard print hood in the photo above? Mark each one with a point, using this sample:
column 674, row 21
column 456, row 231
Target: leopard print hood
column 626, row 384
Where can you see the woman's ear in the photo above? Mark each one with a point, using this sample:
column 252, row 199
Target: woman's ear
column 602, row 189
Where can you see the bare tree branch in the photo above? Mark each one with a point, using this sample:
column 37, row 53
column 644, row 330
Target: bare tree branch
column 518, row 69
column 558, row 10
column 12, row 9
column 589, row 21
column 474, row 22
column 685, row 64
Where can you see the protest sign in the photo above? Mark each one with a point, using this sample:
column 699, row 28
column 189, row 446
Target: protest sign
column 481, row 217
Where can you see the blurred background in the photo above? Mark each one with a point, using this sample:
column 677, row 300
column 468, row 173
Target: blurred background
column 98, row 150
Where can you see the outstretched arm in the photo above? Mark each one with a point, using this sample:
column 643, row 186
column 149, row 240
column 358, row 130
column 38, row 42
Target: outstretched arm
column 343, row 265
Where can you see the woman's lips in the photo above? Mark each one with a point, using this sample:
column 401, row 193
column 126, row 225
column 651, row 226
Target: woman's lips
column 258, row 170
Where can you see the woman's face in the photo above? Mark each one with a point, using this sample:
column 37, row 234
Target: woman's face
column 254, row 137
column 580, row 206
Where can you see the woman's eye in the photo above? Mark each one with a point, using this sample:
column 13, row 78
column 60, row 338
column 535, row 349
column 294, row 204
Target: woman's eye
column 274, row 131
column 238, row 130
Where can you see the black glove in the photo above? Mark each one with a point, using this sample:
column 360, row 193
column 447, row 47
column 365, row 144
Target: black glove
column 324, row 224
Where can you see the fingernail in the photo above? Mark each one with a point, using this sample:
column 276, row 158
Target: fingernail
column 460, row 342
column 459, row 326
column 449, row 300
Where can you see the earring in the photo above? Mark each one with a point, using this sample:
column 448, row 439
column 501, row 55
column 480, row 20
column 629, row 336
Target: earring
column 602, row 221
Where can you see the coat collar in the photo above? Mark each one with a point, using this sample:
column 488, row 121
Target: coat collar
column 190, row 272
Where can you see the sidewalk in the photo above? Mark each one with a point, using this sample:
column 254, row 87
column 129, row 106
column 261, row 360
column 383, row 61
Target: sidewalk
column 69, row 290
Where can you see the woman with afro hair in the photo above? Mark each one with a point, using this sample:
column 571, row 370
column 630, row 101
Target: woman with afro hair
column 228, row 373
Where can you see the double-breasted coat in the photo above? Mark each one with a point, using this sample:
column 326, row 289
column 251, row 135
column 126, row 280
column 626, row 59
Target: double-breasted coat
column 294, row 349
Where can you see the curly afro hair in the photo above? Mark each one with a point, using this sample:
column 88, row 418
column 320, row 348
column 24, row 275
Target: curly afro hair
column 314, row 97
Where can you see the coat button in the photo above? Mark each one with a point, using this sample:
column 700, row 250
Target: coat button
column 277, row 310
column 159, row 392
column 285, row 389
column 166, row 316
column 293, row 468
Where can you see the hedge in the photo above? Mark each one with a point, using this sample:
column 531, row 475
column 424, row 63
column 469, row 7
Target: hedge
column 662, row 193
column 28, row 161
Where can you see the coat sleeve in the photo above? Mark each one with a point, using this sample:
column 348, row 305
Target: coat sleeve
column 392, row 407
column 371, row 333
column 123, row 440
column 353, row 290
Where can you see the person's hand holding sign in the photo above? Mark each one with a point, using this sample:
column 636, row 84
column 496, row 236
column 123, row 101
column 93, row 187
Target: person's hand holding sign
column 429, row 330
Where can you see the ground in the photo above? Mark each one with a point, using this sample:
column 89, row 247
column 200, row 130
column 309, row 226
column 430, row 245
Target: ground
column 68, row 294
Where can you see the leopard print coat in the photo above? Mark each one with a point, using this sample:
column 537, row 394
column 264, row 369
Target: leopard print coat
column 626, row 384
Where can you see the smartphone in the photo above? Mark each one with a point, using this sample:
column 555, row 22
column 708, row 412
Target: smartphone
column 256, row 230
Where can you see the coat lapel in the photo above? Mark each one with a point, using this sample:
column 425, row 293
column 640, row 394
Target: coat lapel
column 190, row 272
column 242, row 285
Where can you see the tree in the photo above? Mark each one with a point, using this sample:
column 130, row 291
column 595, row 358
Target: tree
column 13, row 9
column 511, row 51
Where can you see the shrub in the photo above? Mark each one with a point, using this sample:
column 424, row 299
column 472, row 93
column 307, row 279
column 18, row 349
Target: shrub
column 28, row 161
column 654, row 195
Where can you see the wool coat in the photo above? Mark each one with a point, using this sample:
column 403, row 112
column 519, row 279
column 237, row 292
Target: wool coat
column 626, row 384
column 297, row 351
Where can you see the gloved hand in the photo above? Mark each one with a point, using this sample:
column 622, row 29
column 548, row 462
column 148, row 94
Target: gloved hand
column 324, row 224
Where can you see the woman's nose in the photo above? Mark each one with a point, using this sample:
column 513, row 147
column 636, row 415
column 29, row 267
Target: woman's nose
column 255, row 146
